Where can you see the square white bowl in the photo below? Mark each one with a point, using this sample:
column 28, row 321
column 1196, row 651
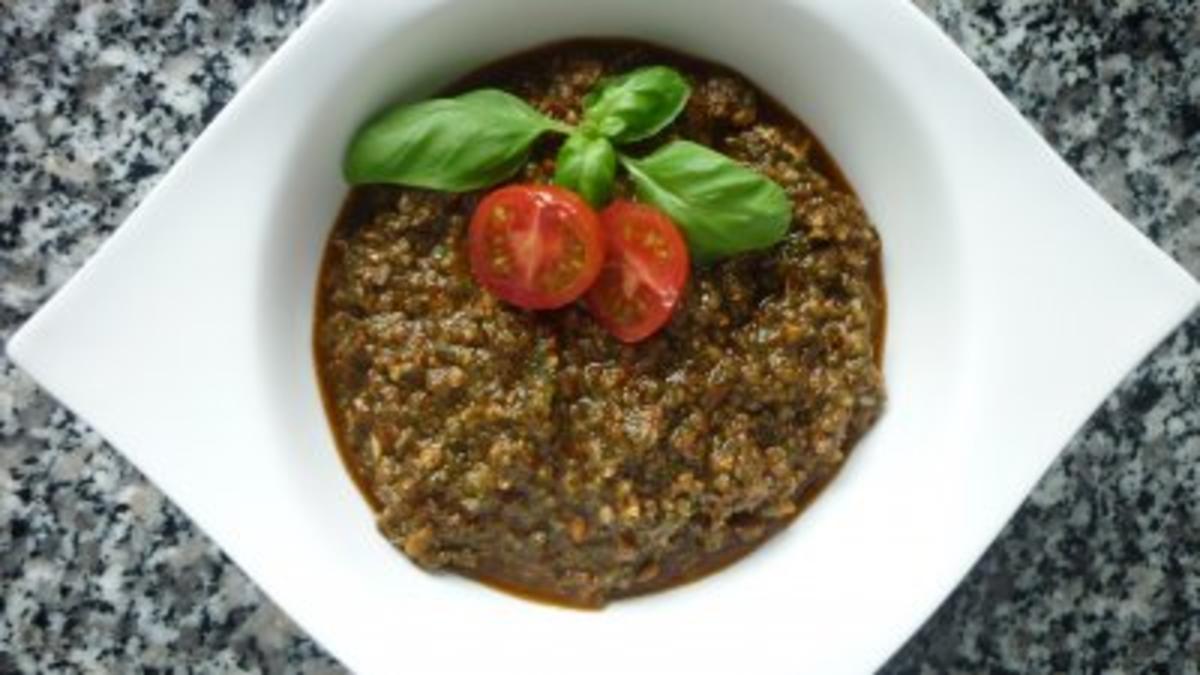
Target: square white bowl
column 1018, row 299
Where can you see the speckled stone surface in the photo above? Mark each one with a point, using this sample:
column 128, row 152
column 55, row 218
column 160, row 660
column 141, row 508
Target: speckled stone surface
column 1098, row 572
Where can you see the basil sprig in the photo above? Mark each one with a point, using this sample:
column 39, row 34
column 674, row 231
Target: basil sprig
column 483, row 137
column 623, row 109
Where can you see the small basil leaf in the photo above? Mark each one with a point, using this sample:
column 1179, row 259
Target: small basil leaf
column 452, row 144
column 636, row 105
column 588, row 166
column 723, row 207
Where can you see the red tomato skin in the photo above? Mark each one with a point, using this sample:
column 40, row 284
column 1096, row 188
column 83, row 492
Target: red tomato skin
column 646, row 269
column 566, row 220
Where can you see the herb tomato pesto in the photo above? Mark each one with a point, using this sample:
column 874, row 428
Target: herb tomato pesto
column 534, row 451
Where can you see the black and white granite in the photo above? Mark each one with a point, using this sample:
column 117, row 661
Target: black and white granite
column 1100, row 570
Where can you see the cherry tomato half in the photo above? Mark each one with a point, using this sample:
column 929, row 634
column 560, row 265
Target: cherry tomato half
column 645, row 269
column 535, row 246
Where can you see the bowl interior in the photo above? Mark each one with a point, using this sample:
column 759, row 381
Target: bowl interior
column 832, row 81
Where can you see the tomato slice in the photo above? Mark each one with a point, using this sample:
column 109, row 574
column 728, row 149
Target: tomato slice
column 535, row 246
column 645, row 269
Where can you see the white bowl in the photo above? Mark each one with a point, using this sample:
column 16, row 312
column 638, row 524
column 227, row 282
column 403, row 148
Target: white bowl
column 1018, row 300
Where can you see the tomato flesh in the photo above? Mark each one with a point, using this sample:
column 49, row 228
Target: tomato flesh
column 646, row 267
column 535, row 246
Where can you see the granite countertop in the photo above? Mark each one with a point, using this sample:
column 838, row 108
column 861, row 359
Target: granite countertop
column 1100, row 569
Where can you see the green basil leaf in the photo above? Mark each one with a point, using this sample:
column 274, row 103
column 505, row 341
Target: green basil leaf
column 588, row 166
column 723, row 207
column 452, row 144
column 636, row 105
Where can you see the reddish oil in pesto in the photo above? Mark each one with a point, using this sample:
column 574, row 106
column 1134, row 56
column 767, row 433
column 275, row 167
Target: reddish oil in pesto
column 359, row 206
